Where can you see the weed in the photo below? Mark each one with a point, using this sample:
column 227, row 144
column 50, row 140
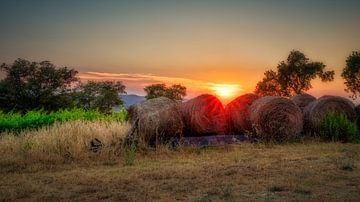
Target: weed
column 130, row 155
column 337, row 127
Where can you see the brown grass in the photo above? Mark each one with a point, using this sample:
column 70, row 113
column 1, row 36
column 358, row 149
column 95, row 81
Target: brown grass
column 313, row 171
column 247, row 172
column 61, row 143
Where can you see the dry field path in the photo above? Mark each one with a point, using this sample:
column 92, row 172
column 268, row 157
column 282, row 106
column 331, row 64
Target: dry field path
column 246, row 172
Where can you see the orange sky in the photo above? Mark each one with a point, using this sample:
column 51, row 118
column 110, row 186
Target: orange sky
column 200, row 44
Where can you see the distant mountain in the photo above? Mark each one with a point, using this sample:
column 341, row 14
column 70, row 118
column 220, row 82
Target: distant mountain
column 131, row 99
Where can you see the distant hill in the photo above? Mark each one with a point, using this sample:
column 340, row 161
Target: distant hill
column 131, row 99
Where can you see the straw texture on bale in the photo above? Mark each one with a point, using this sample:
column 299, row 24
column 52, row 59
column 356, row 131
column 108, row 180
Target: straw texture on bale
column 275, row 119
column 237, row 113
column 155, row 121
column 317, row 110
column 203, row 115
column 302, row 100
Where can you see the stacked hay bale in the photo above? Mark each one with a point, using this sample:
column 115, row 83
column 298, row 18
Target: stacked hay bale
column 302, row 100
column 275, row 119
column 203, row 115
column 317, row 110
column 155, row 121
column 237, row 113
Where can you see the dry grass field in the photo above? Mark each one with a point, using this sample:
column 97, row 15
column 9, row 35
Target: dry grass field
column 291, row 172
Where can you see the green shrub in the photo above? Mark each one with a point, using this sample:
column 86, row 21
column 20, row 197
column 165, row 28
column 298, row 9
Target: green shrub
column 16, row 122
column 337, row 127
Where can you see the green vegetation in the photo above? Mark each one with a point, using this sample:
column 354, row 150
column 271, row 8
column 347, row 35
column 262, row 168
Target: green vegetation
column 337, row 127
column 292, row 76
column 174, row 92
column 351, row 74
column 15, row 122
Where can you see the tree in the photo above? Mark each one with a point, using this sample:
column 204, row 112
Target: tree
column 351, row 74
column 175, row 92
column 293, row 76
column 30, row 85
column 102, row 95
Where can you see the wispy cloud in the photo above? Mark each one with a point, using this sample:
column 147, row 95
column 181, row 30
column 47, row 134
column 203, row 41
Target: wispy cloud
column 136, row 82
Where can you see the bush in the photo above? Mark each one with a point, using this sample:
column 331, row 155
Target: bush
column 16, row 122
column 337, row 127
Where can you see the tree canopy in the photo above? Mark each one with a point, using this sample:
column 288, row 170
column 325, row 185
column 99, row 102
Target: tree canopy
column 101, row 95
column 351, row 74
column 174, row 92
column 293, row 76
column 30, row 85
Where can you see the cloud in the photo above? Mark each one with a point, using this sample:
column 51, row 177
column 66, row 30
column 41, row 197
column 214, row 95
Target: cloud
column 136, row 82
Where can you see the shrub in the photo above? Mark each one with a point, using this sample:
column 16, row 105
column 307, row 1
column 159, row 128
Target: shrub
column 337, row 127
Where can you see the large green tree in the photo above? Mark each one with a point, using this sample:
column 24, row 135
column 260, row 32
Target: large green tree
column 292, row 76
column 351, row 74
column 101, row 95
column 174, row 92
column 30, row 85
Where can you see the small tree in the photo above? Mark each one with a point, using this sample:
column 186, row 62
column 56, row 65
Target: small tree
column 293, row 76
column 351, row 74
column 29, row 85
column 174, row 92
column 102, row 95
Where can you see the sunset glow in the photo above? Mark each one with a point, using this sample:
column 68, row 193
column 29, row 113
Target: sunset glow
column 226, row 91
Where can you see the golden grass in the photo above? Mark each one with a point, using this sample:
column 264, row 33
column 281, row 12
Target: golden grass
column 308, row 171
column 63, row 142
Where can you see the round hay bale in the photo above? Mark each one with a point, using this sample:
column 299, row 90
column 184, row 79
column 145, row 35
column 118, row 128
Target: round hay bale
column 317, row 110
column 275, row 119
column 203, row 115
column 302, row 100
column 237, row 113
column 155, row 121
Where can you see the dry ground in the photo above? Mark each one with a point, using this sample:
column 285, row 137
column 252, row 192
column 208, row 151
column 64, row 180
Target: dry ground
column 291, row 172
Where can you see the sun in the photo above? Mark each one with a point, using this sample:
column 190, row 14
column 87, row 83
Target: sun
column 226, row 91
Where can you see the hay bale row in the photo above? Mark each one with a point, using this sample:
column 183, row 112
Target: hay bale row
column 203, row 115
column 155, row 121
column 275, row 119
column 269, row 118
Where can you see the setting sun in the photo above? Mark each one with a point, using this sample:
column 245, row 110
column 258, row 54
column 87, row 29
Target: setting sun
column 226, row 91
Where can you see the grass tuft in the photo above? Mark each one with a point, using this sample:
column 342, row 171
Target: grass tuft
column 337, row 127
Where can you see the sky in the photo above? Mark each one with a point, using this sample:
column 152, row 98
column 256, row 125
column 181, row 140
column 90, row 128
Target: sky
column 202, row 44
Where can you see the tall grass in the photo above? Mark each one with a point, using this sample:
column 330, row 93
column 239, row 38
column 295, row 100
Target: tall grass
column 16, row 122
column 337, row 127
column 63, row 142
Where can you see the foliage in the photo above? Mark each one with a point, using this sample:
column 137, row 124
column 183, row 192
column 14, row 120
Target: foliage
column 39, row 118
column 100, row 95
column 293, row 76
column 30, row 85
column 351, row 74
column 130, row 155
column 337, row 127
column 175, row 92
